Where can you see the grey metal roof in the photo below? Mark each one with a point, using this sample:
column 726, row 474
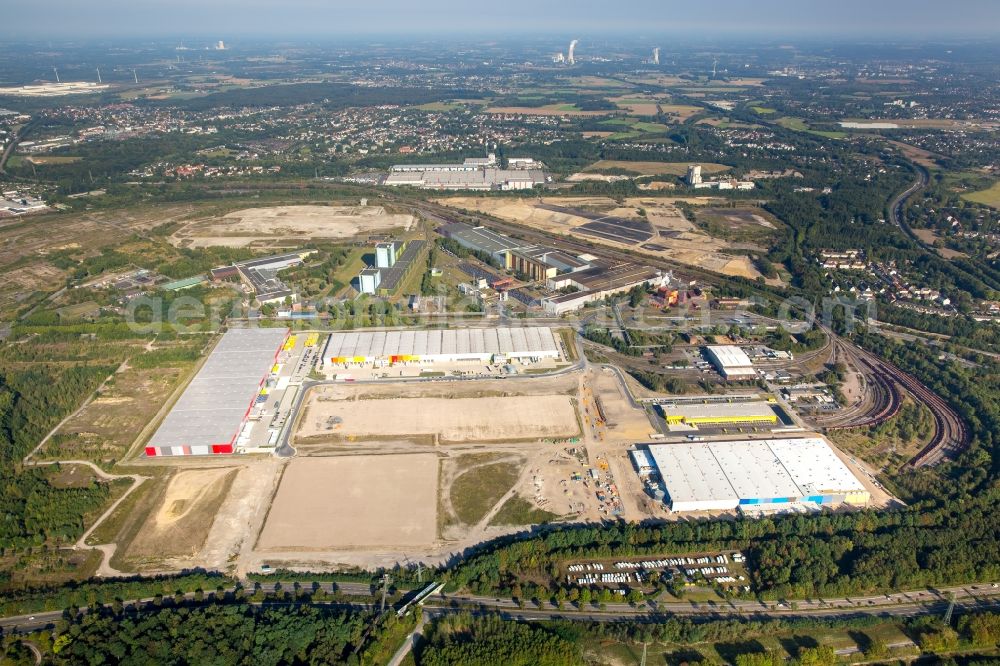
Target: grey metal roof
column 478, row 341
column 212, row 407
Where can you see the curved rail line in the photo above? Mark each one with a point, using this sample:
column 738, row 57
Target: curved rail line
column 950, row 433
column 888, row 382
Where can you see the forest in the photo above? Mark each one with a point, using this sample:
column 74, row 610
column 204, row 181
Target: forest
column 36, row 512
column 229, row 634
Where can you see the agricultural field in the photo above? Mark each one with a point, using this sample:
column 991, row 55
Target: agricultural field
column 988, row 197
column 546, row 110
column 799, row 125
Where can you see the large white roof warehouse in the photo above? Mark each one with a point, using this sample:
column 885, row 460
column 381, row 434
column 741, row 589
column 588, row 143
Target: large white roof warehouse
column 440, row 345
column 755, row 474
column 731, row 361
column 211, row 411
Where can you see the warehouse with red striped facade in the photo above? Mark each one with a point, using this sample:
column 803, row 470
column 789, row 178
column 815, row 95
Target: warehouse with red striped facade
column 214, row 407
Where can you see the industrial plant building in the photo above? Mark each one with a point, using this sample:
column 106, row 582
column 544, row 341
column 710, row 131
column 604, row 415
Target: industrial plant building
column 597, row 281
column 731, row 362
column 480, row 179
column 748, row 413
column 369, row 280
column 475, row 173
column 479, row 345
column 393, row 262
column 755, row 475
column 386, row 253
column 481, row 239
column 593, row 278
column 261, row 275
column 214, row 407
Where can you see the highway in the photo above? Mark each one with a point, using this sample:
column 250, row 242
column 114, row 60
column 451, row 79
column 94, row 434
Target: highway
column 901, row 604
column 13, row 145
column 896, row 207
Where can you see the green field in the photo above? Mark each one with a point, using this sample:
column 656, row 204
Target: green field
column 519, row 511
column 475, row 492
column 42, row 160
column 800, row 125
column 763, row 110
column 988, row 197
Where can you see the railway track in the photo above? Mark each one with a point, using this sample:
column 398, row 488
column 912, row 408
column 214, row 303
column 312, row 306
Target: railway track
column 950, row 434
column 884, row 404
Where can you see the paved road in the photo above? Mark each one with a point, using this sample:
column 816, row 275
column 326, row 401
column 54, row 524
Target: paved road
column 896, row 207
column 901, row 604
column 409, row 642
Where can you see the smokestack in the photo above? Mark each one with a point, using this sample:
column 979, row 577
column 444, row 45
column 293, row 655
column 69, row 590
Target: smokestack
column 572, row 46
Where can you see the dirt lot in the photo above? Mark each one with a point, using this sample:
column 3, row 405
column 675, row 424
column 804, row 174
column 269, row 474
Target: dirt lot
column 682, row 240
column 181, row 521
column 263, row 226
column 352, row 502
column 624, row 421
column 26, row 243
column 449, row 420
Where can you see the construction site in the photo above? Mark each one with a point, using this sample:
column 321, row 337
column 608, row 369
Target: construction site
column 649, row 225
column 280, row 227
column 372, row 463
column 371, row 472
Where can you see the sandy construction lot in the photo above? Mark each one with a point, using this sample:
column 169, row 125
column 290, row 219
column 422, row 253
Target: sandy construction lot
column 451, row 419
column 181, row 521
column 352, row 502
column 677, row 238
column 262, row 225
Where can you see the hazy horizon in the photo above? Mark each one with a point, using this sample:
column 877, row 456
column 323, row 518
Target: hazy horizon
column 312, row 19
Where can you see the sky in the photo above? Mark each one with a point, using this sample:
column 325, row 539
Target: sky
column 231, row 19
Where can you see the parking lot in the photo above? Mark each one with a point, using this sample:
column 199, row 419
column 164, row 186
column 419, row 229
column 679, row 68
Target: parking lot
column 274, row 406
